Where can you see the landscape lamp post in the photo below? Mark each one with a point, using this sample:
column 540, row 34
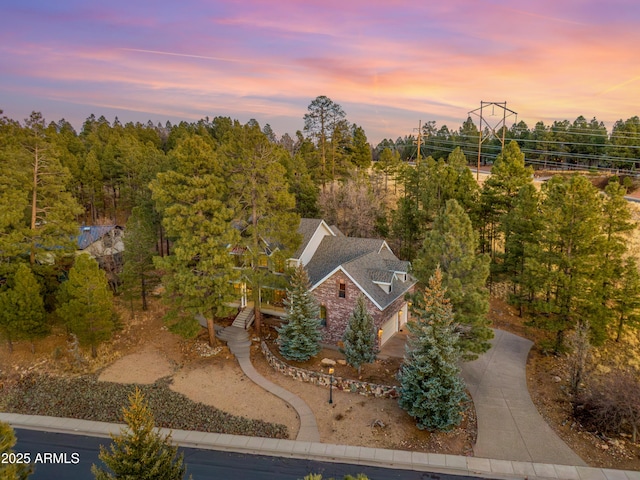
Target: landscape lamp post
column 331, row 385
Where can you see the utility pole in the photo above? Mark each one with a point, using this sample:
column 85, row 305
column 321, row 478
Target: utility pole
column 487, row 130
column 419, row 140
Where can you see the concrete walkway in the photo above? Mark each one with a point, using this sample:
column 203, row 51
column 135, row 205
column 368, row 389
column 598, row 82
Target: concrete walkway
column 238, row 342
column 423, row 462
column 509, row 425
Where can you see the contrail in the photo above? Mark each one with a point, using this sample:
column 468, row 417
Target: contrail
column 545, row 17
column 202, row 57
column 620, row 85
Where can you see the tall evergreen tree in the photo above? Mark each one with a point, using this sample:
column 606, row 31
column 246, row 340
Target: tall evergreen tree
column 388, row 163
column 53, row 209
column 359, row 339
column 360, row 149
column 11, row 470
column 410, row 217
column 446, row 180
column 615, row 227
column 567, row 257
column 139, row 451
column 299, row 336
column 86, row 303
column 301, row 185
column 37, row 212
column 626, row 298
column 431, row 389
column 521, row 227
column 508, row 175
column 199, row 274
column 23, row 315
column 320, row 123
column 262, row 205
column 14, row 198
column 452, row 244
column 139, row 249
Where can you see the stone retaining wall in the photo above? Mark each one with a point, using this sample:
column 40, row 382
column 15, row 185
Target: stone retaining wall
column 323, row 379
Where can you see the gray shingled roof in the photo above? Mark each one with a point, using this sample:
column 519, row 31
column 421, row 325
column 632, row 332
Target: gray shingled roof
column 359, row 269
column 307, row 228
column 337, row 231
column 360, row 258
column 397, row 265
column 334, row 251
column 382, row 276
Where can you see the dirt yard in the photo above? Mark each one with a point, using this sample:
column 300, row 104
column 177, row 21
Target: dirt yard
column 213, row 377
column 145, row 351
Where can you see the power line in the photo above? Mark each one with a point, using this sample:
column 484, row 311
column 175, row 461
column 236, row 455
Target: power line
column 449, row 146
column 466, row 149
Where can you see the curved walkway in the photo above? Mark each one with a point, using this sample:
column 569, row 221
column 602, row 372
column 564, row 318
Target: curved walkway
column 238, row 342
column 509, row 425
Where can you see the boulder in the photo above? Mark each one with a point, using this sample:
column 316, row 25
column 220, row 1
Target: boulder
column 327, row 362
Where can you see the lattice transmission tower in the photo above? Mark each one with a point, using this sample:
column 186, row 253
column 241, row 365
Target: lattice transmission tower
column 487, row 128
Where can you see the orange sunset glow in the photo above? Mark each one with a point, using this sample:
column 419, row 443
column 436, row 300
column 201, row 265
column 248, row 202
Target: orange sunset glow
column 389, row 64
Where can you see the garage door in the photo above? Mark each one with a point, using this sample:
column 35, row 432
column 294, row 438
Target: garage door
column 389, row 328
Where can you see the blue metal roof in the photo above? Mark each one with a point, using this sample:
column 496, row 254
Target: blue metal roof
column 91, row 234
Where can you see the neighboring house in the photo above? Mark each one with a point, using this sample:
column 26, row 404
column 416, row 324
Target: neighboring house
column 342, row 268
column 104, row 243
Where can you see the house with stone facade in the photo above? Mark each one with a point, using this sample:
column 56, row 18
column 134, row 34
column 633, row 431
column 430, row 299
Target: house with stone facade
column 342, row 268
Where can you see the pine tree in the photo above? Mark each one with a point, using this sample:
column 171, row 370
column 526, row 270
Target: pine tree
column 508, row 175
column 86, row 303
column 615, row 227
column 23, row 315
column 431, row 388
column 299, row 336
column 139, row 242
column 262, row 204
column 388, row 163
column 140, row 452
column 452, row 244
column 521, row 227
column 53, row 208
column 360, row 149
column 567, row 258
column 360, row 342
column 450, row 179
column 11, row 470
column 626, row 298
column 37, row 212
column 410, row 217
column 199, row 274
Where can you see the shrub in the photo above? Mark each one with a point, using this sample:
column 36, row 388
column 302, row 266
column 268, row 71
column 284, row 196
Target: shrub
column 611, row 405
column 88, row 399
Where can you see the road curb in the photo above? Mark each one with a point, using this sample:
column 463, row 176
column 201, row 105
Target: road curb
column 377, row 457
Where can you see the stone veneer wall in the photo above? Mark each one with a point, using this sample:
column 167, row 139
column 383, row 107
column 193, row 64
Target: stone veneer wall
column 323, row 379
column 339, row 309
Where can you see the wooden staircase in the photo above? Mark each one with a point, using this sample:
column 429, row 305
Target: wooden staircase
column 245, row 318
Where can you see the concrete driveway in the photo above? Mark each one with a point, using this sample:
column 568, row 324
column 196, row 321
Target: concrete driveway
column 509, row 425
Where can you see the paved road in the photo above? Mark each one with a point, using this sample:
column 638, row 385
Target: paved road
column 509, row 425
column 201, row 464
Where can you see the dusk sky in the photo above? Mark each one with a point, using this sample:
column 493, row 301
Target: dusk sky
column 388, row 63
